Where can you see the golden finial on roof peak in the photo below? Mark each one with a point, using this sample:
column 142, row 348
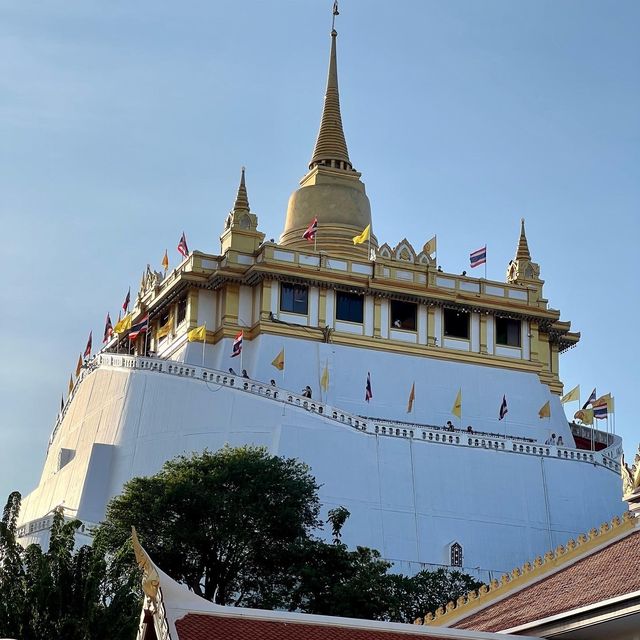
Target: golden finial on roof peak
column 331, row 147
column 242, row 200
column 523, row 247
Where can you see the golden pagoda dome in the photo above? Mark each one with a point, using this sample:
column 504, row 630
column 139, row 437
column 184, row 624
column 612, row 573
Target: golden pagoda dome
column 332, row 190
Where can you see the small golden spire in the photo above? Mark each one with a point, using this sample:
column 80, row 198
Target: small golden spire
column 523, row 246
column 242, row 200
column 331, row 146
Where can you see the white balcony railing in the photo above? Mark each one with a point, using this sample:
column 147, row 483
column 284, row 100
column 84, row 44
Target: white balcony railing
column 371, row 426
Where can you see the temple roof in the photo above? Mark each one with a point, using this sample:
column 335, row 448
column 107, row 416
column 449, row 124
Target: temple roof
column 585, row 572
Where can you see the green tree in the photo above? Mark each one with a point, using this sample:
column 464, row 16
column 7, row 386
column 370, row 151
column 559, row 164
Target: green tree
column 413, row 597
column 238, row 526
column 218, row 521
column 63, row 593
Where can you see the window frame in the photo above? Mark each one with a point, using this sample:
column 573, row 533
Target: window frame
column 293, row 286
column 445, row 312
column 518, row 333
column 392, row 319
column 353, row 297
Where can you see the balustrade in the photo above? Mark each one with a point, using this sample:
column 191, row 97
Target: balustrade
column 373, row 426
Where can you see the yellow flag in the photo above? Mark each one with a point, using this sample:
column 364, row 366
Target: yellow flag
column 574, row 394
column 79, row 366
column 584, row 415
column 124, row 324
column 199, row 334
column 457, row 405
column 165, row 260
column 165, row 329
column 70, row 384
column 278, row 361
column 430, row 247
column 364, row 236
column 545, row 410
column 412, row 397
column 324, row 380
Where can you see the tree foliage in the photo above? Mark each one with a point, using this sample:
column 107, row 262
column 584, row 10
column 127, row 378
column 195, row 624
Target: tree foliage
column 217, row 521
column 237, row 526
column 61, row 592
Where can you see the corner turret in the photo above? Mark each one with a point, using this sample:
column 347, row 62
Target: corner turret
column 522, row 270
column 241, row 227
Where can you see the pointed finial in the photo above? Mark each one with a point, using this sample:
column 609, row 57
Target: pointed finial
column 335, row 13
column 331, row 146
column 523, row 246
column 242, row 200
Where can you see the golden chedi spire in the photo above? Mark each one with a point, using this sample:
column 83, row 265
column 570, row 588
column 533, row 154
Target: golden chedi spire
column 523, row 247
column 241, row 227
column 522, row 270
column 332, row 190
column 331, row 146
column 242, row 200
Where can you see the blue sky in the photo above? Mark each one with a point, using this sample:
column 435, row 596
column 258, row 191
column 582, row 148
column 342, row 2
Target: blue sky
column 121, row 124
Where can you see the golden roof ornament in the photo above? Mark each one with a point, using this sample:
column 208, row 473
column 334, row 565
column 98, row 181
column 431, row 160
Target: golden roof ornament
column 631, row 482
column 242, row 200
column 241, row 226
column 150, row 577
column 523, row 247
column 522, row 270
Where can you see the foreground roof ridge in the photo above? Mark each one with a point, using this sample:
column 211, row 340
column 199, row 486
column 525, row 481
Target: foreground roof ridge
column 531, row 572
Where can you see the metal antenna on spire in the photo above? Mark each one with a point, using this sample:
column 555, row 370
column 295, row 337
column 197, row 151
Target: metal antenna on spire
column 335, row 13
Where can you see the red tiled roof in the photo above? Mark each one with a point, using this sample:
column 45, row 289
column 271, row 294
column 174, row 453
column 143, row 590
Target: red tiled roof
column 610, row 572
column 195, row 626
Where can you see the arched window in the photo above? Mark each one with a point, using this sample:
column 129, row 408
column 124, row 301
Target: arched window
column 456, row 554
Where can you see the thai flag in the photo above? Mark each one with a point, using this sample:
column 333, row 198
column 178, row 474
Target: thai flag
column 600, row 410
column 368, row 394
column 236, row 349
column 108, row 329
column 478, row 257
column 139, row 327
column 310, row 233
column 503, row 408
column 183, row 249
column 590, row 400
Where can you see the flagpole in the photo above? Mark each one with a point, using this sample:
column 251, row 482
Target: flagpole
column 485, row 261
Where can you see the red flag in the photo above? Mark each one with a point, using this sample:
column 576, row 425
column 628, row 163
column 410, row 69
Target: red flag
column 310, row 233
column 183, row 249
column 87, row 351
column 127, row 300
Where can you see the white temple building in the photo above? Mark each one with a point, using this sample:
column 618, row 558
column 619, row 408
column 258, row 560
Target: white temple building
column 484, row 495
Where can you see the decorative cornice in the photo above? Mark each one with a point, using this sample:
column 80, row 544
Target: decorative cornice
column 530, row 572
